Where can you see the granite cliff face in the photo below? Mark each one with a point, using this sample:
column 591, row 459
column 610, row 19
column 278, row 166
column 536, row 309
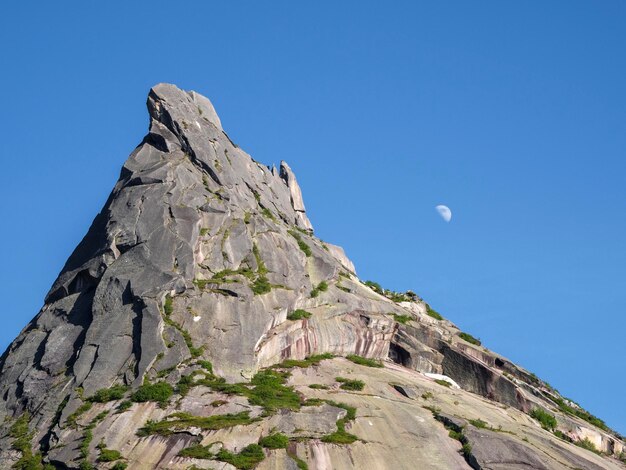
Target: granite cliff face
column 177, row 336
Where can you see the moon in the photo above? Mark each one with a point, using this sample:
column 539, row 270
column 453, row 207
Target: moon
column 444, row 212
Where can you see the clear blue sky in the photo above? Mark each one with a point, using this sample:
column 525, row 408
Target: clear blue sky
column 511, row 113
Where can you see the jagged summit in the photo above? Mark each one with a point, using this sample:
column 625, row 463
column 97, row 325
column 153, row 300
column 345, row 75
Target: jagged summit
column 201, row 274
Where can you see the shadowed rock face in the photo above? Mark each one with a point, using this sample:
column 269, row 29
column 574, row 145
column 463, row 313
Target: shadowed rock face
column 201, row 254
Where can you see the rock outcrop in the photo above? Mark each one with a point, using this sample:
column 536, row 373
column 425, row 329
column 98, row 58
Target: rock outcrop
column 200, row 315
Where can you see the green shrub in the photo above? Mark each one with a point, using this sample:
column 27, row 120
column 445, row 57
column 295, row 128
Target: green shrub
column 116, row 392
column 587, row 444
column 445, row 383
column 275, row 441
column 270, row 392
column 318, row 387
column 22, row 442
column 466, row 450
column 479, row 423
column 180, row 421
column 109, row 455
column 341, row 436
column 206, row 365
column 247, row 459
column 313, row 402
column 404, row 319
column 306, row 249
column 159, row 392
column 363, row 361
column 204, row 231
column 303, row 363
column 469, row 338
column 268, row 213
column 301, row 464
column 582, row 414
column 168, row 305
column 73, row 418
column 299, row 315
column 348, row 384
column 456, row 435
column 547, row 420
column 196, row 452
column 261, row 286
column 432, row 313
column 119, row 466
column 321, row 287
column 374, row 286
column 126, row 404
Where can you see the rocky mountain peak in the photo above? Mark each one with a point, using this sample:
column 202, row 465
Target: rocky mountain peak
column 200, row 315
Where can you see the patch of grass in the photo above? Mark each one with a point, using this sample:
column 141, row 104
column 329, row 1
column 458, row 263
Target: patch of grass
column 299, row 314
column 433, row 313
column 306, row 249
column 159, row 392
column 196, row 452
column 119, row 466
column 313, row 402
column 268, row 214
column 363, row 361
column 204, row 231
column 195, row 352
column 390, row 294
column 469, row 338
column 427, row 395
column 304, row 363
column 261, row 286
column 165, row 372
column 375, row 286
column 270, row 392
column 442, row 382
column 321, row 287
column 168, row 305
column 479, row 423
column 301, row 464
column 116, row 392
column 547, row 420
column 206, row 365
column 126, row 404
column 88, row 435
column 181, row 421
column 404, row 319
column 261, row 268
column 582, row 414
column 73, row 418
column 109, row 455
column 350, row 384
column 247, row 459
column 22, row 443
column 319, row 387
column 274, row 441
column 341, row 436
column 587, row 444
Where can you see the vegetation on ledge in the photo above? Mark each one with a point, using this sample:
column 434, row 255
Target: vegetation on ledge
column 299, row 314
column 469, row 338
column 364, row 361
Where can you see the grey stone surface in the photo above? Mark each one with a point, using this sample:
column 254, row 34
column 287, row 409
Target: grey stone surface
column 195, row 221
